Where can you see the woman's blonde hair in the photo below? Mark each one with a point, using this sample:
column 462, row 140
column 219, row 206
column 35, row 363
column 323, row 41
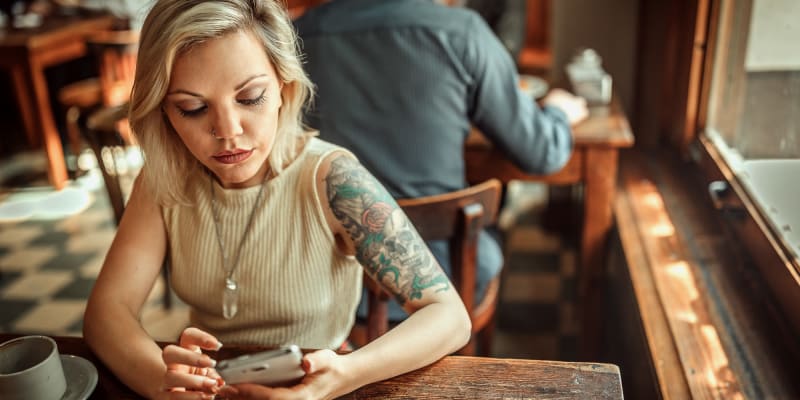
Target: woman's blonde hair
column 171, row 28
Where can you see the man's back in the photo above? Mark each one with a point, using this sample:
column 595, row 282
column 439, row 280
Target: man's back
column 400, row 82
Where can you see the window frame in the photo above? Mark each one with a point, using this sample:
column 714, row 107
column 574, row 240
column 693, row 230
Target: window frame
column 744, row 217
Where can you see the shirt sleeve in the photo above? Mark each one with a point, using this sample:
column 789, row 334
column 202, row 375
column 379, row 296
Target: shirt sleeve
column 538, row 140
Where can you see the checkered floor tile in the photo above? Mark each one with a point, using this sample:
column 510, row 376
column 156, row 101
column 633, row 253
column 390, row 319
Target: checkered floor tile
column 48, row 268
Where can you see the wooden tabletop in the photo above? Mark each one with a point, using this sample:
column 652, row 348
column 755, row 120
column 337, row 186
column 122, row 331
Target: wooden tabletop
column 453, row 377
column 459, row 377
column 606, row 126
column 54, row 29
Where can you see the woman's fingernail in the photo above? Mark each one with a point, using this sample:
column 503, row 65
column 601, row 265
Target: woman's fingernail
column 219, row 345
column 206, row 362
column 210, row 382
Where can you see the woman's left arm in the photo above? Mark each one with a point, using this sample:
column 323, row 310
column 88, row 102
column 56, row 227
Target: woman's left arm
column 389, row 248
column 369, row 224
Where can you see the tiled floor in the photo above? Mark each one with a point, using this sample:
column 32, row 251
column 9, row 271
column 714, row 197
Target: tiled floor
column 536, row 314
column 48, row 263
column 48, row 267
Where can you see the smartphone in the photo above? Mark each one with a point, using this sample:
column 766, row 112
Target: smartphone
column 272, row 368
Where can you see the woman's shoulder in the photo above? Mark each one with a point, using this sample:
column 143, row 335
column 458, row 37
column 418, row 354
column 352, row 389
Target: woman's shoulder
column 317, row 150
column 316, row 145
column 321, row 159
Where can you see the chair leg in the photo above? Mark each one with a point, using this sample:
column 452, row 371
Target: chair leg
column 358, row 335
column 377, row 316
column 469, row 349
column 74, row 130
column 485, row 338
column 167, row 295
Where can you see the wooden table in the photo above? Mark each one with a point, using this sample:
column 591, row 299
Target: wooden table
column 593, row 164
column 453, row 377
column 26, row 53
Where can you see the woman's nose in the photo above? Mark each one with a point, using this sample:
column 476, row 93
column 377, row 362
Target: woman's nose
column 227, row 123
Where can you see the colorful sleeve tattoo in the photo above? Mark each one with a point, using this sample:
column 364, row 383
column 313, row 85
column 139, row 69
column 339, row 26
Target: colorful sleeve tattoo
column 387, row 245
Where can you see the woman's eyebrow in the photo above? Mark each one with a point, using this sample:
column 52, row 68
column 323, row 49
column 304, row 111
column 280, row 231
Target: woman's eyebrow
column 183, row 91
column 246, row 81
column 238, row 87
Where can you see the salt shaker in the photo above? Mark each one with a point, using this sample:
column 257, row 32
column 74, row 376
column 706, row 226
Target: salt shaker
column 587, row 77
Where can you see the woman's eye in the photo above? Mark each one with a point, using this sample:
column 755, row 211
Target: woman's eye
column 254, row 101
column 192, row 112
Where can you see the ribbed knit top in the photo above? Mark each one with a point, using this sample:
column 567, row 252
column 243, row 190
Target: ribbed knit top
column 295, row 287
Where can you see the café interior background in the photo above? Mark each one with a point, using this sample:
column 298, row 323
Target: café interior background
column 48, row 265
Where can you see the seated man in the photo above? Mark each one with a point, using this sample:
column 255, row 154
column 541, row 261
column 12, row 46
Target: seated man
column 401, row 82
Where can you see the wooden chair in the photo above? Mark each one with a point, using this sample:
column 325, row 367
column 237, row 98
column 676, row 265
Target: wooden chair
column 115, row 52
column 103, row 131
column 457, row 217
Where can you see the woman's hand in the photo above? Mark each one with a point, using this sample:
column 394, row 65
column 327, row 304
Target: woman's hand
column 190, row 373
column 324, row 373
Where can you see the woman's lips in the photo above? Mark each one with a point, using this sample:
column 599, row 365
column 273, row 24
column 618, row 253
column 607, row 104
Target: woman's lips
column 233, row 156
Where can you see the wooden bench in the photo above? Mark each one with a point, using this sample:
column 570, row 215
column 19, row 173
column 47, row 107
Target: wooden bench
column 681, row 299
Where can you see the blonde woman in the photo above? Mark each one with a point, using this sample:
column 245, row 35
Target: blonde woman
column 267, row 228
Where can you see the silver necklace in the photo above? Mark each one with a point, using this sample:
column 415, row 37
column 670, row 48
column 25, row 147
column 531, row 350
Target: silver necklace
column 230, row 293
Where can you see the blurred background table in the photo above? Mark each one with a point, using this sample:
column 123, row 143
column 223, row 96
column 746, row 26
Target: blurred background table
column 594, row 165
column 26, row 53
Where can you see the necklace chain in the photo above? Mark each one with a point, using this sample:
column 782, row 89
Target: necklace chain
column 231, row 288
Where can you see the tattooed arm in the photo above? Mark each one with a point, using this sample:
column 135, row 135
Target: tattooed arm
column 385, row 242
column 369, row 224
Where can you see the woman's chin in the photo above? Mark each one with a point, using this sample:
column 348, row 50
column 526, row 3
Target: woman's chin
column 238, row 179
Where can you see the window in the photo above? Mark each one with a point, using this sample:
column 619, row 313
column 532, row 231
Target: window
column 754, row 108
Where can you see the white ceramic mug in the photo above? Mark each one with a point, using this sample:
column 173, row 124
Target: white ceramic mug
column 30, row 368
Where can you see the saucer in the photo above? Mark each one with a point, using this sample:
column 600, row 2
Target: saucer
column 81, row 376
column 533, row 86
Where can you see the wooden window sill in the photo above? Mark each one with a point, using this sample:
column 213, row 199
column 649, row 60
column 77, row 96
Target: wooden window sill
column 705, row 314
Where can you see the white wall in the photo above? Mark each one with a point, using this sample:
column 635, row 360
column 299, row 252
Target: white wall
column 774, row 41
column 609, row 27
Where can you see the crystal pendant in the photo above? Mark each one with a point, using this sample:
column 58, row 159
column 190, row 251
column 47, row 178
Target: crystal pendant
column 230, row 298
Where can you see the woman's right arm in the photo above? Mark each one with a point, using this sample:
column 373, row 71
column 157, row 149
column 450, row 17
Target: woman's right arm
column 111, row 324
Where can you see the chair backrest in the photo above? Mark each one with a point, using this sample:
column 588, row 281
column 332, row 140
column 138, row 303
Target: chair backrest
column 457, row 217
column 116, row 52
column 102, row 131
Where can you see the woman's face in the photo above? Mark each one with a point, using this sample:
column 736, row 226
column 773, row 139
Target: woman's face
column 223, row 101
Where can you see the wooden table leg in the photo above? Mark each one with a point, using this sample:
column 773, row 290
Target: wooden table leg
column 57, row 168
column 600, row 183
column 23, row 90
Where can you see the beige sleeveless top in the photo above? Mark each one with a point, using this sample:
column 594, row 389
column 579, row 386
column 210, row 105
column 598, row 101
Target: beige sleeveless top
column 295, row 287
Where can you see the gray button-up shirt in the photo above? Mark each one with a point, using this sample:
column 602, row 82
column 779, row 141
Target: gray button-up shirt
column 400, row 82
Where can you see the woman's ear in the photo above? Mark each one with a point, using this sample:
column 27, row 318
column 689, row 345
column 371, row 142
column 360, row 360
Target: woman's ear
column 281, row 87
